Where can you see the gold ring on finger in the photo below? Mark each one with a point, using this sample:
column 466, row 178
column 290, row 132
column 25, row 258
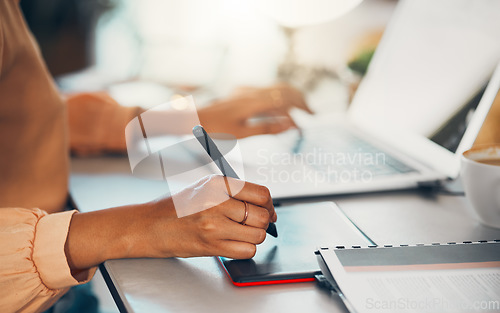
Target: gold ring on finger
column 246, row 213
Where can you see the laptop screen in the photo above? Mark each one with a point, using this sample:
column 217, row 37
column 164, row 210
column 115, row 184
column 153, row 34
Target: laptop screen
column 434, row 57
column 429, row 70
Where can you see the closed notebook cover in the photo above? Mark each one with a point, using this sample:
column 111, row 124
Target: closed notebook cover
column 302, row 228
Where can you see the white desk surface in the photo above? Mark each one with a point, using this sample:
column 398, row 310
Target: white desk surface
column 200, row 285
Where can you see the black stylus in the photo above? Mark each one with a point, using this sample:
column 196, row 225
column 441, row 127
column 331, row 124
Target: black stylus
column 219, row 160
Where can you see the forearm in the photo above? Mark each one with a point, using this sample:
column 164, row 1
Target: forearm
column 123, row 232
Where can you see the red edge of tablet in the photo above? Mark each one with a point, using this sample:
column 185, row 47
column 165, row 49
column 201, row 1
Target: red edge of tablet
column 272, row 282
column 268, row 282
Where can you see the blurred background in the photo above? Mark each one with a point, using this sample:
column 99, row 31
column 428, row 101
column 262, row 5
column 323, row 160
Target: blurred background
column 144, row 52
column 147, row 52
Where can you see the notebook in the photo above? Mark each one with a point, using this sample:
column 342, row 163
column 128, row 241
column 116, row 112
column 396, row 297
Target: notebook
column 303, row 228
column 450, row 277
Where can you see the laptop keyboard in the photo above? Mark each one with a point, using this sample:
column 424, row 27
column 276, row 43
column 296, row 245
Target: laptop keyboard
column 337, row 151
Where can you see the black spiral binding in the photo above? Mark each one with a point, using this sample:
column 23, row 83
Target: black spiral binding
column 466, row 242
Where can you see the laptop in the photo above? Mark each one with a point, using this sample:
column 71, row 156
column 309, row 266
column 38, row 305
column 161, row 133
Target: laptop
column 421, row 104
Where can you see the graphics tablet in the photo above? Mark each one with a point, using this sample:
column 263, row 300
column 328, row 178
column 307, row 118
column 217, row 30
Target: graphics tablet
column 290, row 258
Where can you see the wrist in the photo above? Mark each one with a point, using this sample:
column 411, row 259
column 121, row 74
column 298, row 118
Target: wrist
column 116, row 233
column 139, row 233
column 152, row 233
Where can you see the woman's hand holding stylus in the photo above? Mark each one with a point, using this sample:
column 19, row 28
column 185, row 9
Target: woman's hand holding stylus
column 154, row 229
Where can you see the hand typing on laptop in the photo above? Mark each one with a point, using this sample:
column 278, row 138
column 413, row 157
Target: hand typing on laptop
column 96, row 121
column 269, row 107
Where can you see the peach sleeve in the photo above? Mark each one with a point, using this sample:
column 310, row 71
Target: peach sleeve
column 34, row 272
column 97, row 123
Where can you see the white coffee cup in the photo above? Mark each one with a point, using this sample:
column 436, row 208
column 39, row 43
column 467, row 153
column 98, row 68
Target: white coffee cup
column 480, row 174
